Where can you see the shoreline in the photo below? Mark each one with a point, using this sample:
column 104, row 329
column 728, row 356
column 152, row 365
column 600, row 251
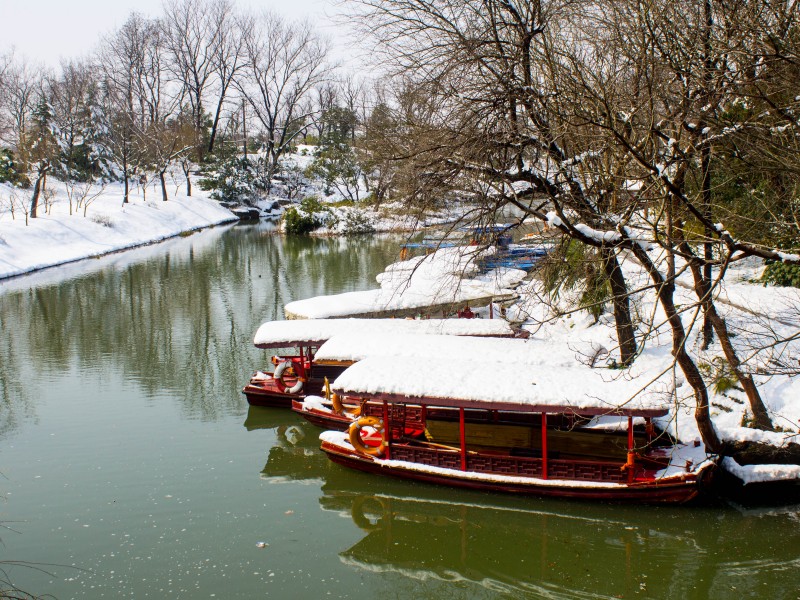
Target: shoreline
column 64, row 233
column 133, row 246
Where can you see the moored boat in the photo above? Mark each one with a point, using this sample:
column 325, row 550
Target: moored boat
column 431, row 352
column 298, row 374
column 522, row 458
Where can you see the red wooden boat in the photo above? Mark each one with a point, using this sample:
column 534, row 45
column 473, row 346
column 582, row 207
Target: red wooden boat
column 596, row 435
column 521, row 458
column 294, row 377
column 297, row 375
column 431, row 351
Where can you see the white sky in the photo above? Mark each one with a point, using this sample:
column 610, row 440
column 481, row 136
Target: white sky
column 47, row 30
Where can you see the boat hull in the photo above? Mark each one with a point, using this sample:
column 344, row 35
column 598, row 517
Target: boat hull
column 325, row 420
column 674, row 490
column 267, row 392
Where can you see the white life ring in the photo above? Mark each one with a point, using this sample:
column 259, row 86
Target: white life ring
column 280, row 370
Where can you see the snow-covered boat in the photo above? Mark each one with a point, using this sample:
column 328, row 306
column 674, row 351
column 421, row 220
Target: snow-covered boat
column 518, row 457
column 430, row 351
column 298, row 374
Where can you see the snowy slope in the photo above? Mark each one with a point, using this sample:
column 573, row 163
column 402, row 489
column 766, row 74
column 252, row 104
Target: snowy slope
column 58, row 237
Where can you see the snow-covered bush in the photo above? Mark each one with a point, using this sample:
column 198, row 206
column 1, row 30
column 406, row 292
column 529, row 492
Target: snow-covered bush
column 355, row 222
column 310, row 215
column 781, row 274
column 236, row 179
column 9, row 172
column 103, row 220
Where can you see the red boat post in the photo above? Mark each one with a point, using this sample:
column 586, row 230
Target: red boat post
column 462, row 438
column 630, row 465
column 544, row 445
column 387, row 430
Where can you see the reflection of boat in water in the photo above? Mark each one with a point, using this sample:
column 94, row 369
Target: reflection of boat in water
column 495, row 547
column 294, row 456
column 296, row 463
column 298, row 374
column 508, row 550
column 267, row 417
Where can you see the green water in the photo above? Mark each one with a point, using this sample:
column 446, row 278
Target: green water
column 132, row 465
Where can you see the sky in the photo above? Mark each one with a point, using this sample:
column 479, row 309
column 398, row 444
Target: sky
column 45, row 31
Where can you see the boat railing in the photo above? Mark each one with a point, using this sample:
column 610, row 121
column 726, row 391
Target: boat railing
column 482, row 462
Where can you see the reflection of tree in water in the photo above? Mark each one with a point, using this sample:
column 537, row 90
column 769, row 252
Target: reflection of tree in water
column 535, row 549
column 180, row 323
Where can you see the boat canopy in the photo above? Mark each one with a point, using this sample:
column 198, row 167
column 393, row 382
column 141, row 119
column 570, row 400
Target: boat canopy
column 284, row 334
column 351, row 347
column 507, row 386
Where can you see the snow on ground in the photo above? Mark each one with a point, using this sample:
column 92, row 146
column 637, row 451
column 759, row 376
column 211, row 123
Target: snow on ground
column 761, row 473
column 57, row 237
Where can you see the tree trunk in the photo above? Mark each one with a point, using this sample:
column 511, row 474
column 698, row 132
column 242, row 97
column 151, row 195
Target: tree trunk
column 213, row 135
column 38, row 189
column 705, row 164
column 708, row 251
column 163, row 185
column 35, row 198
column 622, row 310
column 761, row 418
column 186, row 173
column 125, row 178
column 666, row 290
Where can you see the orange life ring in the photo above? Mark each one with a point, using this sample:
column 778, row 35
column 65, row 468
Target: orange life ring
column 341, row 409
column 358, row 443
column 280, row 372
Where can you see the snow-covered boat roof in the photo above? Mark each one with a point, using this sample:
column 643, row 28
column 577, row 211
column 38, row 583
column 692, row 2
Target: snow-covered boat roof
column 284, row 334
column 443, row 280
column 500, row 386
column 477, row 350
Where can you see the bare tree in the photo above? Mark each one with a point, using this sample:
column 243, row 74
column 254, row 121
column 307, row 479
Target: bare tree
column 20, row 83
column 227, row 57
column 147, row 129
column 122, row 62
column 611, row 123
column 285, row 61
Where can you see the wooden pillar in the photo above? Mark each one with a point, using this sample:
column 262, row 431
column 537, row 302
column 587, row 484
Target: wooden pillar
column 387, row 430
column 491, row 310
column 544, row 445
column 302, row 369
column 630, row 463
column 463, row 438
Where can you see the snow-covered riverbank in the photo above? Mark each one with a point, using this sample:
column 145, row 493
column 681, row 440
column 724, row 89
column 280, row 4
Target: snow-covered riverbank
column 56, row 237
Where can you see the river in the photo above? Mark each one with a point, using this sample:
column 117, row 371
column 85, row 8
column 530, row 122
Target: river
column 132, row 466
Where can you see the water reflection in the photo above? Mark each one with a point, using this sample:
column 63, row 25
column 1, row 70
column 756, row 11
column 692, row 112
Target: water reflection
column 176, row 320
column 539, row 549
column 295, row 454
